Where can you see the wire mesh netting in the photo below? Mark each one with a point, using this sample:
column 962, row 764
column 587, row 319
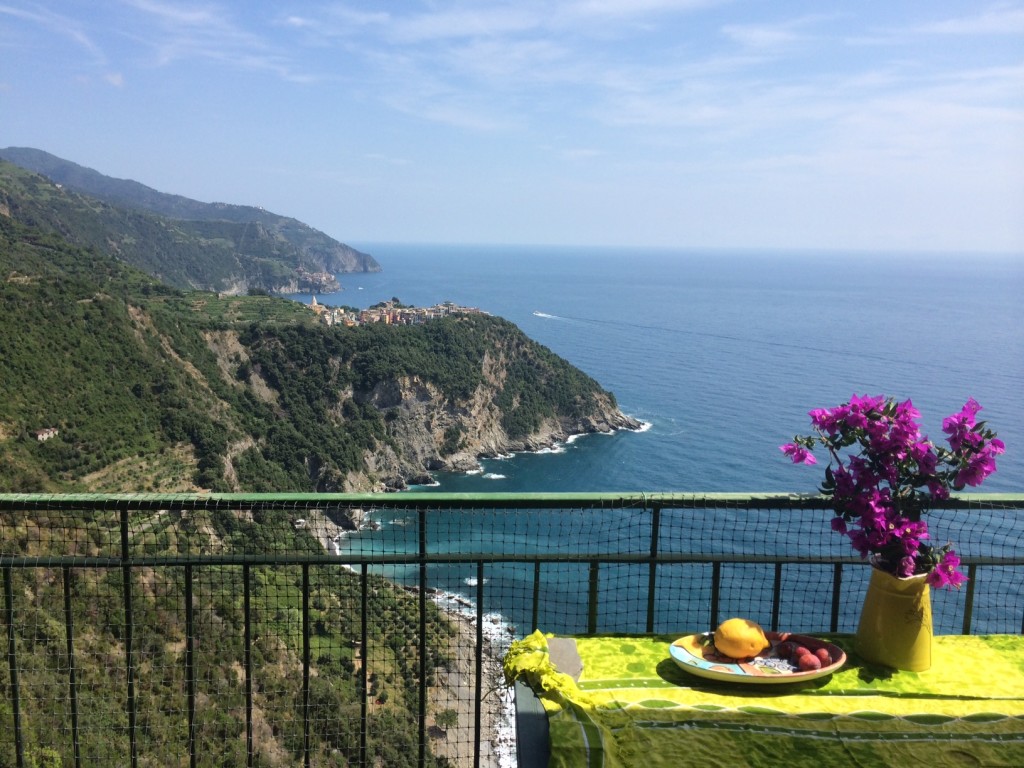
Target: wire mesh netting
column 343, row 631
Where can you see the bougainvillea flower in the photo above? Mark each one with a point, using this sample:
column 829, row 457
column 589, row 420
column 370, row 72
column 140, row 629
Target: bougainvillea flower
column 947, row 572
column 883, row 474
column 959, row 426
column 978, row 468
column 798, row 453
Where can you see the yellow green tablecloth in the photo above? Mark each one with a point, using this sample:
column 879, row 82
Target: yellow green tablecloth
column 633, row 706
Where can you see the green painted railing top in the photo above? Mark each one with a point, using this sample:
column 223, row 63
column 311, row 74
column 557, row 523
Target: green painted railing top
column 773, row 499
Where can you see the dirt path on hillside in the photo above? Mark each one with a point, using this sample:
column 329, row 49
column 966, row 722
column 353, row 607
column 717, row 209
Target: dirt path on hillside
column 456, row 690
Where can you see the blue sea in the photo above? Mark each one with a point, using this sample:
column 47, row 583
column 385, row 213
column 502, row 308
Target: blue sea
column 721, row 354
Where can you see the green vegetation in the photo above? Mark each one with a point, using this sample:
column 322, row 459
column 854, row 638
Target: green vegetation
column 211, row 254
column 541, row 385
column 391, row 654
column 139, row 378
column 292, row 239
column 152, row 388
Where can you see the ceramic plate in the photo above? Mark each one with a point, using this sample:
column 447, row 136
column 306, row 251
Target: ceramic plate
column 697, row 655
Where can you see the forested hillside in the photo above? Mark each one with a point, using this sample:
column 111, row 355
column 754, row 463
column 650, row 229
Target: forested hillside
column 138, row 386
column 218, row 630
column 150, row 388
column 231, row 249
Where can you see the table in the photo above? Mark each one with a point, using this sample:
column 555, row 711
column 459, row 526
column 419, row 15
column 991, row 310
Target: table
column 628, row 704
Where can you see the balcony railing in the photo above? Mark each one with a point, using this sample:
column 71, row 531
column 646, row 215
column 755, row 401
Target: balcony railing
column 367, row 630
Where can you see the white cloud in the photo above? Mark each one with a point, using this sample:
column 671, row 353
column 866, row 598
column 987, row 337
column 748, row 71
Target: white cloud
column 207, row 32
column 62, row 25
column 776, row 35
column 760, row 36
column 337, row 21
column 997, row 20
column 582, row 153
column 177, row 15
column 621, row 8
column 452, row 110
column 510, row 61
column 463, row 23
column 388, row 159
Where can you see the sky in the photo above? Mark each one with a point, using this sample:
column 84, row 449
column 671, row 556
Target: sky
column 869, row 125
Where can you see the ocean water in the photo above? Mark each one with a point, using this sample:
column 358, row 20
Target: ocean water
column 724, row 353
column 721, row 354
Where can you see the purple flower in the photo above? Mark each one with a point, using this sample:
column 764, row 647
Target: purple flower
column 923, row 453
column 979, row 467
column 866, row 404
column 823, row 419
column 883, row 474
column 798, row 453
column 906, row 411
column 959, row 426
column 905, row 567
column 947, row 573
column 971, row 408
column 860, row 542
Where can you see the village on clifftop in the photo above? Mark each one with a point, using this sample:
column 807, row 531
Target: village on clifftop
column 389, row 312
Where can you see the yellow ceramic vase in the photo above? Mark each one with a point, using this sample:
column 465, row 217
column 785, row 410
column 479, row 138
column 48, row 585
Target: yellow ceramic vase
column 896, row 622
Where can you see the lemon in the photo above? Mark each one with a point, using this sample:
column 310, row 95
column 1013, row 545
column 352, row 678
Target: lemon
column 740, row 638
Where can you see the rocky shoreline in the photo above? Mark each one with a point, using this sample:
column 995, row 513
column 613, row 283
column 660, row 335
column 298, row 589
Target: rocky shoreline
column 456, row 690
column 547, row 439
column 456, row 684
column 485, row 439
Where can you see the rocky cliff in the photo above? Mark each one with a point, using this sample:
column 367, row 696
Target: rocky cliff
column 422, row 421
column 437, row 397
column 152, row 388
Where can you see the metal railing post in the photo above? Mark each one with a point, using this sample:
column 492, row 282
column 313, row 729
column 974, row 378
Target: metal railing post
column 247, row 652
column 837, row 588
column 129, row 631
column 592, row 594
column 363, row 686
column 306, row 752
column 776, row 597
column 190, row 666
column 479, row 660
column 12, row 665
column 716, row 588
column 972, row 576
column 652, row 575
column 535, row 613
column 69, row 637
column 422, row 704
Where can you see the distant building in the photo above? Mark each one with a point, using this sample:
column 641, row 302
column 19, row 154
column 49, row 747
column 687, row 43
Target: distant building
column 42, row 435
column 389, row 313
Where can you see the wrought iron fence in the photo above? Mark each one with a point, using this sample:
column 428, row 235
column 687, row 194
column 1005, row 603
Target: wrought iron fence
column 344, row 630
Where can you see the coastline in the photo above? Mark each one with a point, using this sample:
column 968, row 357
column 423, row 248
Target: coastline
column 456, row 684
column 555, row 443
column 456, row 690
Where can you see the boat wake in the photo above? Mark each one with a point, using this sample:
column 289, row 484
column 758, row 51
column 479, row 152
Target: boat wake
column 547, row 316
